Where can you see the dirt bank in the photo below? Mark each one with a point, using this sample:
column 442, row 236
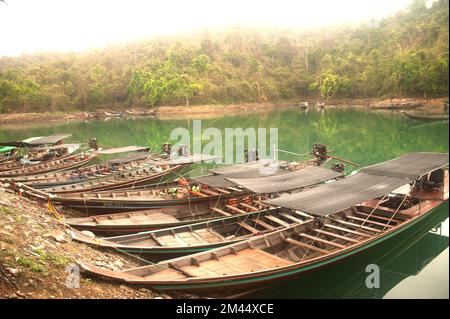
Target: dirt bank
column 205, row 111
column 195, row 111
column 419, row 105
column 35, row 251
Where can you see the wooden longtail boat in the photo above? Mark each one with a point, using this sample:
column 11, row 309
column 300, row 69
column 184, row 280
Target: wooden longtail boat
column 65, row 163
column 184, row 240
column 118, row 223
column 348, row 222
column 9, row 163
column 435, row 117
column 151, row 170
column 38, row 152
column 83, row 173
column 38, row 141
column 132, row 222
column 130, row 178
column 104, row 186
column 52, row 152
column 132, row 200
column 18, row 163
column 212, row 189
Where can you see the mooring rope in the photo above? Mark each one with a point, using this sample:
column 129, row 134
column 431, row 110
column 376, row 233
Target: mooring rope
column 399, row 206
column 373, row 210
column 312, row 243
column 148, row 262
column 292, row 153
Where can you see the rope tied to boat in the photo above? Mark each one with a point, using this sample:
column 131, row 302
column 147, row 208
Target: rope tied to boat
column 85, row 205
column 53, row 209
column 140, row 259
column 313, row 241
column 399, row 206
column 292, row 153
column 373, row 210
column 246, row 217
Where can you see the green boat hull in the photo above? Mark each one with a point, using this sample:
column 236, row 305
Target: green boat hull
column 234, row 286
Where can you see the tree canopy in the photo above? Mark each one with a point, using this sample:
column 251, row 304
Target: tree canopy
column 402, row 55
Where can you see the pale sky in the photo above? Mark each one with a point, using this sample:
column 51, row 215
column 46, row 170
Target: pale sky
column 60, row 25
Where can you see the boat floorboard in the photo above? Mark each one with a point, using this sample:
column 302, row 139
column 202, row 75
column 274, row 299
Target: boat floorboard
column 166, row 274
column 153, row 218
column 247, row 260
column 196, row 271
column 170, row 240
column 142, row 242
column 209, row 235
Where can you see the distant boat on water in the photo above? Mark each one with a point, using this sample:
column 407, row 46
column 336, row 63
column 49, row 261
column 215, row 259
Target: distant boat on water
column 303, row 105
column 434, row 117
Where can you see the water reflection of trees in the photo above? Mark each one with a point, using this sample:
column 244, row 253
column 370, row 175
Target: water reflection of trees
column 361, row 136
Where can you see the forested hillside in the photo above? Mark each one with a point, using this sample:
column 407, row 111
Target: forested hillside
column 403, row 55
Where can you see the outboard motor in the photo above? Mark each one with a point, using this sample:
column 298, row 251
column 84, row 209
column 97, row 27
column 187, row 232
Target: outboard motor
column 251, row 156
column 319, row 151
column 167, row 148
column 432, row 181
column 93, row 143
column 183, row 150
column 338, row 167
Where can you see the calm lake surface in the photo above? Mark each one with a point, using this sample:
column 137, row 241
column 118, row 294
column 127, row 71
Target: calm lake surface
column 413, row 264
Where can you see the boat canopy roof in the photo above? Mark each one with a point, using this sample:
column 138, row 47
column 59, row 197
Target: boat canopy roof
column 58, row 147
column 371, row 182
column 127, row 159
column 30, row 139
column 36, row 141
column 333, row 197
column 23, row 143
column 247, row 168
column 51, row 139
column 124, row 149
column 284, row 182
column 256, row 170
column 410, row 166
column 195, row 158
column 214, row 181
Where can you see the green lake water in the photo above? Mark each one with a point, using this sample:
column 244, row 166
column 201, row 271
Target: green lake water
column 412, row 264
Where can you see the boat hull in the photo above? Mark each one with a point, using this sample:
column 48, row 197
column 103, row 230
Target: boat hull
column 435, row 117
column 233, row 285
column 29, row 170
column 97, row 207
column 155, row 178
column 124, row 229
column 240, row 286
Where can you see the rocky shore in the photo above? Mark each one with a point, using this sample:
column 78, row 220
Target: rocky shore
column 431, row 106
column 35, row 252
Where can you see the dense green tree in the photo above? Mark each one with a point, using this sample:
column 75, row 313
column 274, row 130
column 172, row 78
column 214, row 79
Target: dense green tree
column 402, row 55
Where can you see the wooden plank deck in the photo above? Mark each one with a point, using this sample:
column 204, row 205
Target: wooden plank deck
column 166, row 274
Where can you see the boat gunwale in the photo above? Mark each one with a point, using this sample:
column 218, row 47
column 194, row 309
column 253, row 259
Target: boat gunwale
column 49, row 178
